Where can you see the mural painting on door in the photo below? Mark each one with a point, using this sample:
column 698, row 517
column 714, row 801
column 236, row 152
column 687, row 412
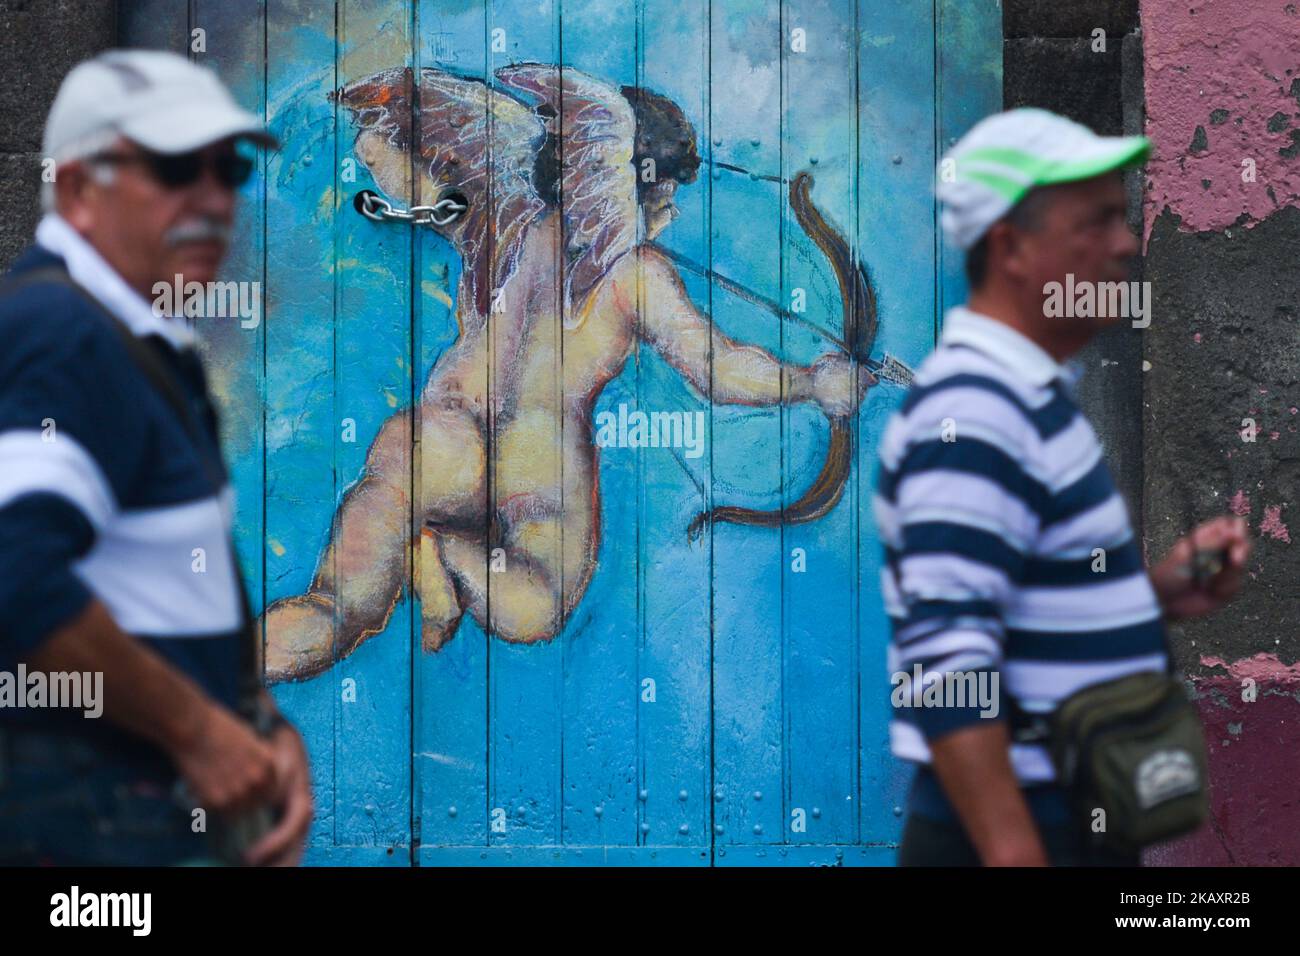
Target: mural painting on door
column 558, row 190
column 564, row 536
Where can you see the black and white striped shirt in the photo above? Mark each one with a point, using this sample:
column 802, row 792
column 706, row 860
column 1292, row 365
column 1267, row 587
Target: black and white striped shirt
column 1008, row 548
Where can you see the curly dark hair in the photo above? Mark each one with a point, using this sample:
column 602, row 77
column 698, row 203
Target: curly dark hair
column 664, row 134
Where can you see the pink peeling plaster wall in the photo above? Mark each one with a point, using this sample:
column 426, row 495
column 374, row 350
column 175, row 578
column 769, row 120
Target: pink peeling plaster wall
column 1222, row 86
column 1222, row 82
column 1252, row 725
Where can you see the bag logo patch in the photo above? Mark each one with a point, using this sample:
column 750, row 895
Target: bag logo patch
column 1164, row 775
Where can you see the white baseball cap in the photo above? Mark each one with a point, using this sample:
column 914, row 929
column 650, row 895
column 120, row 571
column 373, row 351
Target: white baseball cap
column 1004, row 156
column 156, row 99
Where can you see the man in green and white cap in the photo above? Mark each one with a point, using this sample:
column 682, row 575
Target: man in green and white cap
column 994, row 500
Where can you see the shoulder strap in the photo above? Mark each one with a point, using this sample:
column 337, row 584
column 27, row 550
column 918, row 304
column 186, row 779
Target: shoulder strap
column 162, row 379
column 141, row 354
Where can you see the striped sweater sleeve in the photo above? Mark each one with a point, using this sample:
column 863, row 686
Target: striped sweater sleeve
column 69, row 447
column 960, row 510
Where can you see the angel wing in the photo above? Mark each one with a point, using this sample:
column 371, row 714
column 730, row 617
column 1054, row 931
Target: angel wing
column 474, row 140
column 594, row 127
column 483, row 142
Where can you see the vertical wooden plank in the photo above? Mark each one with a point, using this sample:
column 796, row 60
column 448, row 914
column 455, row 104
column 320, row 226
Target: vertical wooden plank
column 817, row 558
column 675, row 730
column 896, row 243
column 302, row 200
column 233, row 348
column 968, row 87
column 229, row 40
column 372, row 384
column 600, row 642
column 744, row 165
column 154, row 25
column 451, row 684
column 525, row 680
column 905, row 142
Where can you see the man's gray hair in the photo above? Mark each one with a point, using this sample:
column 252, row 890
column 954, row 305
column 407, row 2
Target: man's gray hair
column 86, row 146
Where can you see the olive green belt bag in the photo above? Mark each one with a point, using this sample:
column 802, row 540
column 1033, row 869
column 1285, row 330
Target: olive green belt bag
column 1134, row 748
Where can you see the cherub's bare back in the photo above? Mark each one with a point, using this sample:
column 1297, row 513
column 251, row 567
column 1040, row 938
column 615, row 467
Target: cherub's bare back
column 515, row 354
column 543, row 379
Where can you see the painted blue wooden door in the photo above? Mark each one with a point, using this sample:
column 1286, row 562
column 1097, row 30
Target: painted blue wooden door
column 716, row 701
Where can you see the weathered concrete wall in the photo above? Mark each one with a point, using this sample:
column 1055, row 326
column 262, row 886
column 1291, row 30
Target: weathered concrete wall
column 40, row 40
column 1052, row 59
column 1219, row 83
column 1223, row 100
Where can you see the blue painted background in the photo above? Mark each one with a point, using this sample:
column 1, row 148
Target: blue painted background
column 771, row 693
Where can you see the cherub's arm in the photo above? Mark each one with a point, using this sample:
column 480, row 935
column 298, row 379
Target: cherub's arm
column 742, row 374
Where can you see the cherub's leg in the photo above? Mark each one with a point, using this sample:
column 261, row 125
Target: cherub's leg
column 367, row 551
column 440, row 607
column 533, row 568
column 368, row 548
column 514, row 573
column 452, row 471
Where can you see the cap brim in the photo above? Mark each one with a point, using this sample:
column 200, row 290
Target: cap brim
column 183, row 129
column 1116, row 152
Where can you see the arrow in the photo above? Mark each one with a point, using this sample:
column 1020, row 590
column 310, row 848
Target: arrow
column 889, row 369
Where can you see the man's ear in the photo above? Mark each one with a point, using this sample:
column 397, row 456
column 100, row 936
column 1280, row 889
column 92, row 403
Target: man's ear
column 1006, row 254
column 72, row 188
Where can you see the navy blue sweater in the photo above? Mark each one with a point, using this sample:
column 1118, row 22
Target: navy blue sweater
column 103, row 494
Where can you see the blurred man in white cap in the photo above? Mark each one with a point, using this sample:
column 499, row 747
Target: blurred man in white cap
column 117, row 563
column 994, row 502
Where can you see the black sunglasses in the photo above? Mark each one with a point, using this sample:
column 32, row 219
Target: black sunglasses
column 183, row 169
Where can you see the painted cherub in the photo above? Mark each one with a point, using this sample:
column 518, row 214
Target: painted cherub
column 558, row 260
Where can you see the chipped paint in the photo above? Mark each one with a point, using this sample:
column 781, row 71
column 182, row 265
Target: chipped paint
column 1222, row 84
column 1254, row 816
column 1272, row 524
column 1222, row 87
column 1262, row 668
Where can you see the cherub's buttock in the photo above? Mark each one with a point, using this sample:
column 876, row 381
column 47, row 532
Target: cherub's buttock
column 529, row 506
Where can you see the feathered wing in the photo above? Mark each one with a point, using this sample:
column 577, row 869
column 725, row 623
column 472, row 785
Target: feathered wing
column 595, row 128
column 473, row 140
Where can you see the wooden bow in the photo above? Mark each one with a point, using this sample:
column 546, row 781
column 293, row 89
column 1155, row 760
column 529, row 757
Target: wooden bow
column 859, row 302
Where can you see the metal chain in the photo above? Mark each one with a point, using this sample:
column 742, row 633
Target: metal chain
column 378, row 209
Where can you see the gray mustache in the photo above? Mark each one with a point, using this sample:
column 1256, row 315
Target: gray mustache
column 201, row 230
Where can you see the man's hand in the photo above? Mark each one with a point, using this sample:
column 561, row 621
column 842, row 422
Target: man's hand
column 1174, row 580
column 228, row 768
column 829, row 382
column 283, row 845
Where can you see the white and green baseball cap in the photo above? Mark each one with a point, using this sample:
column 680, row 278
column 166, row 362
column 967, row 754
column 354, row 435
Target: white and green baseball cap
column 157, row 99
column 1006, row 155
